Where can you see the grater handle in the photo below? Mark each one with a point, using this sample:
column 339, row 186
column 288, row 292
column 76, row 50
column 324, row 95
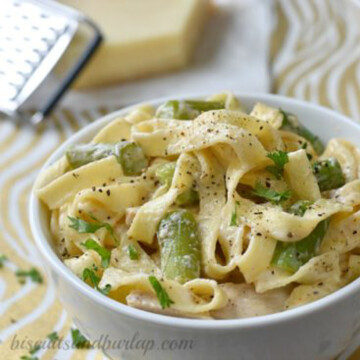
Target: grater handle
column 71, row 75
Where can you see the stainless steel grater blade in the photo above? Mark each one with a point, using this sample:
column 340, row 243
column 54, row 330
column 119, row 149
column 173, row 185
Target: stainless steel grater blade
column 34, row 34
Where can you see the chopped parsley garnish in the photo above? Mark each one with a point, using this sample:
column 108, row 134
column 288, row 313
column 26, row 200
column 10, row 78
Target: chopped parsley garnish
column 280, row 158
column 105, row 254
column 133, row 253
column 105, row 290
column 304, row 146
column 53, row 336
column 299, row 208
column 3, row 258
column 79, row 340
column 233, row 220
column 270, row 194
column 94, row 280
column 90, row 275
column 34, row 349
column 161, row 293
column 29, row 357
column 33, row 274
column 86, row 227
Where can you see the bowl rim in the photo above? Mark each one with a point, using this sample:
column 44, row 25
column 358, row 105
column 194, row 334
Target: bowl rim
column 185, row 323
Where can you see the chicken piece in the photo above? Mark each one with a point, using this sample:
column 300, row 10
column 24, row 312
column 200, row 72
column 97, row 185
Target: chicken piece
column 244, row 301
column 148, row 302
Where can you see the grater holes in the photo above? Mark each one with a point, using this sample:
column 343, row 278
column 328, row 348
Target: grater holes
column 26, row 25
column 39, row 52
column 31, row 63
column 16, row 86
column 47, row 41
column 56, row 31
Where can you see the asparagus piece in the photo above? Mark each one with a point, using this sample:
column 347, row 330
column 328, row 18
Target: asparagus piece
column 291, row 256
column 174, row 109
column 201, row 105
column 291, row 123
column 179, row 246
column 165, row 174
column 188, row 197
column 82, row 154
column 129, row 155
column 186, row 109
column 328, row 174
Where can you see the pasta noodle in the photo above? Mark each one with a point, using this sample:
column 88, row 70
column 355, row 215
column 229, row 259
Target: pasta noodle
column 198, row 209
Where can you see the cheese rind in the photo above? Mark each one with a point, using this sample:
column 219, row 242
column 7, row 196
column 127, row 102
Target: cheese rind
column 142, row 37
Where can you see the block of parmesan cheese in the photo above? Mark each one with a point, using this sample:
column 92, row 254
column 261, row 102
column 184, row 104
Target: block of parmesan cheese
column 142, row 37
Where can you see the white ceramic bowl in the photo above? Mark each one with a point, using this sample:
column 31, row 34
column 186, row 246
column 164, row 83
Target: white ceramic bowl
column 319, row 330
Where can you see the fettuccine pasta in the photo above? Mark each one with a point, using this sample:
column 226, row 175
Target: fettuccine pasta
column 198, row 209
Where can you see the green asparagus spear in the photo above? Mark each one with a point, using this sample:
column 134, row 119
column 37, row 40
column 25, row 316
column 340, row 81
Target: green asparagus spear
column 179, row 246
column 174, row 109
column 129, row 155
column 186, row 109
column 165, row 174
column 313, row 139
column 291, row 123
column 291, row 255
column 82, row 154
column 201, row 105
column 187, row 198
column 328, row 174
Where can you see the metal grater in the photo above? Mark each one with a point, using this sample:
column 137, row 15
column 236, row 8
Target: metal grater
column 34, row 34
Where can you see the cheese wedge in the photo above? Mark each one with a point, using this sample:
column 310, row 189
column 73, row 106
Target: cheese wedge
column 142, row 37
